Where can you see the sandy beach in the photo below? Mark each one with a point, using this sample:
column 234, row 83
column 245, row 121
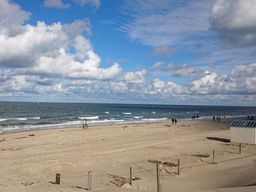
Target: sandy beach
column 30, row 160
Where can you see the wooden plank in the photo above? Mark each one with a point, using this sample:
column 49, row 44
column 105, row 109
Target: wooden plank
column 155, row 161
column 170, row 164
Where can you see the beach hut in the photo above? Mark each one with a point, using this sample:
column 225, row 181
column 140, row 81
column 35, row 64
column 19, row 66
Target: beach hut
column 243, row 131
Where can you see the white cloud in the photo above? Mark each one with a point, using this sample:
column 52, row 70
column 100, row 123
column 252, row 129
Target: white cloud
column 48, row 58
column 11, row 17
column 241, row 80
column 82, row 46
column 16, row 84
column 95, row 3
column 64, row 64
column 235, row 21
column 137, row 77
column 165, row 51
column 77, row 27
column 164, row 23
column 244, row 70
column 206, row 84
column 34, row 41
column 56, row 4
column 176, row 70
column 181, row 70
column 58, row 88
column 44, row 49
column 165, row 88
column 157, row 65
column 119, row 87
column 244, row 75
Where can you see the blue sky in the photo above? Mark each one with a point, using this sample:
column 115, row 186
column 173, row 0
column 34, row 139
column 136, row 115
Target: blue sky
column 128, row 51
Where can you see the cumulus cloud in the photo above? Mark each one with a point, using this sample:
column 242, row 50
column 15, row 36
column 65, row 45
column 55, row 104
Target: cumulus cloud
column 241, row 80
column 119, row 87
column 137, row 77
column 47, row 58
column 43, row 49
column 65, row 65
column 56, row 4
column 235, row 21
column 244, row 75
column 17, row 83
column 11, row 17
column 165, row 88
column 34, row 41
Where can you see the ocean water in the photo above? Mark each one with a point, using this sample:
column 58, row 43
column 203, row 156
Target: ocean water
column 20, row 116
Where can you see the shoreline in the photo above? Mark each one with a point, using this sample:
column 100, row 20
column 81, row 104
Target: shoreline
column 73, row 126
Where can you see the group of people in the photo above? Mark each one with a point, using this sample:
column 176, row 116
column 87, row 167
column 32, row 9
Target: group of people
column 174, row 121
column 217, row 118
column 195, row 116
column 250, row 118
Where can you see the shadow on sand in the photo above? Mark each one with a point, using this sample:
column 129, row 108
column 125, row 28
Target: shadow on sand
column 219, row 139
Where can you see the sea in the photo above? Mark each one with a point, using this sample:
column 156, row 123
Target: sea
column 22, row 116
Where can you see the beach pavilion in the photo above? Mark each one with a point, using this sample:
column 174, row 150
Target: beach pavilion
column 243, row 131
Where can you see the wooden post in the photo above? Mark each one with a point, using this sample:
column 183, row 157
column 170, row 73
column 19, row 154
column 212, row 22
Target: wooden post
column 157, row 178
column 178, row 166
column 213, row 156
column 130, row 175
column 240, row 148
column 57, row 180
column 89, row 180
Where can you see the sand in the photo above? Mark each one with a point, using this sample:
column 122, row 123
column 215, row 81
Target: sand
column 29, row 161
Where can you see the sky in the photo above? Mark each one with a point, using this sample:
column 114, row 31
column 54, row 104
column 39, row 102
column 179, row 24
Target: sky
column 129, row 51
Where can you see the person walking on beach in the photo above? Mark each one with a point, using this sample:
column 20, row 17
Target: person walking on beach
column 218, row 119
column 175, row 121
column 85, row 125
column 172, row 120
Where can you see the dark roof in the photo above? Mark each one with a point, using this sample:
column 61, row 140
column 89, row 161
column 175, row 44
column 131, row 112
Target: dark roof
column 243, row 123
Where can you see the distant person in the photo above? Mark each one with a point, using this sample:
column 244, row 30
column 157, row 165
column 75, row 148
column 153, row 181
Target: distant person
column 172, row 120
column 213, row 118
column 85, row 124
column 175, row 121
column 197, row 116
